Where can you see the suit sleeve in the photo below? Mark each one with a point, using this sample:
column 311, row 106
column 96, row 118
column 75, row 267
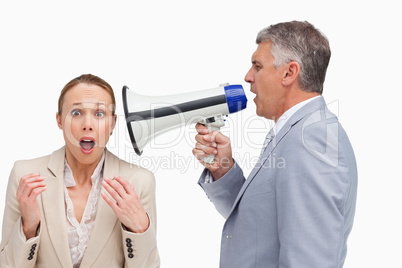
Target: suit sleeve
column 315, row 203
column 141, row 249
column 15, row 250
column 223, row 192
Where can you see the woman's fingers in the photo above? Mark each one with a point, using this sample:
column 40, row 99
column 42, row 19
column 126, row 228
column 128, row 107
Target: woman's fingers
column 128, row 188
column 120, row 189
column 110, row 201
column 126, row 204
column 115, row 189
column 35, row 192
column 28, row 184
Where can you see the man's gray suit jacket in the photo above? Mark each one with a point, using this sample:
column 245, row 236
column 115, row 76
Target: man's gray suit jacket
column 296, row 208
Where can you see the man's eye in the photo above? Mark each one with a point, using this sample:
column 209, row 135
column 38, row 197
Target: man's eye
column 75, row 113
column 257, row 67
column 100, row 114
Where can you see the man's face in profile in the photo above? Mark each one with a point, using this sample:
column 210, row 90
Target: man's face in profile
column 265, row 81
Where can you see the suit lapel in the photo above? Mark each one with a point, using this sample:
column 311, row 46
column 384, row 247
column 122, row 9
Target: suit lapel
column 105, row 218
column 54, row 207
column 309, row 108
column 261, row 162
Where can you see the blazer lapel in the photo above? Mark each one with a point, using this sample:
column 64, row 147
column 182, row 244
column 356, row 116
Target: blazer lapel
column 309, row 108
column 105, row 218
column 54, row 207
column 261, row 162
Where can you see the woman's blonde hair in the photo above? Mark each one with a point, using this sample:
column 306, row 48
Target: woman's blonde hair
column 90, row 80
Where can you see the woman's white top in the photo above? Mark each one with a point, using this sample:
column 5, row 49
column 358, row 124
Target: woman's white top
column 80, row 232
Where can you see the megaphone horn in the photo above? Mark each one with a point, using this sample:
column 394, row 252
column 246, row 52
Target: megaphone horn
column 166, row 112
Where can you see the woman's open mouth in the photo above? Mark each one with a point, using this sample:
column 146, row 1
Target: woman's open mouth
column 87, row 145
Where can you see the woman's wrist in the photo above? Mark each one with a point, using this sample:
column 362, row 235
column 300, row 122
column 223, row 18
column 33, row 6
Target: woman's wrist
column 138, row 228
column 30, row 231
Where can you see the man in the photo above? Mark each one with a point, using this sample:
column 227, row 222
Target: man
column 299, row 213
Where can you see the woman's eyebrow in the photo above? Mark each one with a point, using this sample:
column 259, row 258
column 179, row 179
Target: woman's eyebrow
column 88, row 104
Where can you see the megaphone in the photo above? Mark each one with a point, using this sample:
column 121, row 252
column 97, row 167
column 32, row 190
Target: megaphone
column 150, row 116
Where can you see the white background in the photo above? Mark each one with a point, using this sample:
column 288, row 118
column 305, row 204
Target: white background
column 166, row 47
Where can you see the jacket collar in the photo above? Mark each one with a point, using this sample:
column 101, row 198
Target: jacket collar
column 54, row 211
column 54, row 207
column 56, row 162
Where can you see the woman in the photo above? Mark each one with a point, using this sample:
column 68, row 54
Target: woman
column 54, row 216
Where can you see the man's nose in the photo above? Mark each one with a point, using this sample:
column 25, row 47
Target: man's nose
column 248, row 78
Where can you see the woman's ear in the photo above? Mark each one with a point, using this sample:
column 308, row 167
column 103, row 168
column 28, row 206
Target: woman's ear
column 291, row 73
column 114, row 122
column 58, row 119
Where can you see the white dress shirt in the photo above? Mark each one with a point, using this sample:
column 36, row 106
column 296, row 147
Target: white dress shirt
column 288, row 114
column 80, row 232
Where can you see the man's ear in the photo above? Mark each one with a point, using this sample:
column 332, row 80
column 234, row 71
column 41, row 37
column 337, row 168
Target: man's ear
column 58, row 119
column 291, row 73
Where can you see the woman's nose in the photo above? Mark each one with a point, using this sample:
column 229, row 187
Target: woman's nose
column 88, row 123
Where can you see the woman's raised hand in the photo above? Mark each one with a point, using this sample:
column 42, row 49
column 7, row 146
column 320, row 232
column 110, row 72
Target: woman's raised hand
column 29, row 188
column 126, row 204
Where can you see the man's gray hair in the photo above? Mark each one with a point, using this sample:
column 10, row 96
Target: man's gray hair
column 303, row 43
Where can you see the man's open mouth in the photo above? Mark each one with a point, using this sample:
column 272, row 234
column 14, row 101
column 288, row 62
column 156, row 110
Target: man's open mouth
column 87, row 144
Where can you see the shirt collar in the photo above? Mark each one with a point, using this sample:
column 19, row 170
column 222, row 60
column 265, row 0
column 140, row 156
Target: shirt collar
column 68, row 173
column 288, row 114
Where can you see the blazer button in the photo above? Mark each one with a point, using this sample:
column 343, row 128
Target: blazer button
column 30, row 258
column 130, row 256
column 130, row 250
column 128, row 240
column 129, row 245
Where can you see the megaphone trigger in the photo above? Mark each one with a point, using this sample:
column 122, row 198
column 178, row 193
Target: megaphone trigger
column 213, row 123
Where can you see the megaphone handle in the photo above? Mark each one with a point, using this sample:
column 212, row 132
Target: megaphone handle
column 210, row 158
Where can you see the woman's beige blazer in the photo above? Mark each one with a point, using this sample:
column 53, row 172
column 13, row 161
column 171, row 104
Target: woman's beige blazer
column 109, row 246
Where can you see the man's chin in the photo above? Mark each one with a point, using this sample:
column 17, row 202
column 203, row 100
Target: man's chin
column 258, row 112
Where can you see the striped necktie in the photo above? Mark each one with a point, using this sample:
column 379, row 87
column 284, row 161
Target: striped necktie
column 270, row 136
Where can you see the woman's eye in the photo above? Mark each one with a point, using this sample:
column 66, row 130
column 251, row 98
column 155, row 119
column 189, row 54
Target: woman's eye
column 100, row 114
column 75, row 113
